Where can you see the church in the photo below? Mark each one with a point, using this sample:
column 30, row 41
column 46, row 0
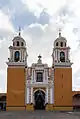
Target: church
column 39, row 87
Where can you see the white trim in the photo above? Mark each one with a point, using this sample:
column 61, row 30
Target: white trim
column 16, row 63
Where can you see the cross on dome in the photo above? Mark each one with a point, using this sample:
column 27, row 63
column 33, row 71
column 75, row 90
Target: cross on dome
column 59, row 32
column 39, row 56
column 19, row 31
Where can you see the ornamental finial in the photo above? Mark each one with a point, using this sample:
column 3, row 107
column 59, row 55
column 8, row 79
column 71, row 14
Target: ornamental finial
column 59, row 32
column 19, row 31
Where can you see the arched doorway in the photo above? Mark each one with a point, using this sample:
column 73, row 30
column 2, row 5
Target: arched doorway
column 76, row 101
column 39, row 99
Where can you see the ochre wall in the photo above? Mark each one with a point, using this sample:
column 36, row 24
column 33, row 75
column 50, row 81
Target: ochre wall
column 15, row 87
column 63, row 87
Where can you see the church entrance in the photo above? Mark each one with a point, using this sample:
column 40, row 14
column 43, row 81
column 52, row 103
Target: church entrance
column 76, row 102
column 39, row 98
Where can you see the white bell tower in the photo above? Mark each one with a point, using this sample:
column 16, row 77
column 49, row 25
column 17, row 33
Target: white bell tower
column 60, row 55
column 18, row 52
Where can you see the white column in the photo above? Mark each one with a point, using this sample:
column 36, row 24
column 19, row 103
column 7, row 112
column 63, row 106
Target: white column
column 27, row 95
column 44, row 76
column 20, row 54
column 47, row 95
column 51, row 95
column 31, row 95
column 13, row 54
column 34, row 77
column 59, row 55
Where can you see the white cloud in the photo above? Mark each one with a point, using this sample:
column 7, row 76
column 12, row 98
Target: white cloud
column 5, row 22
column 39, row 38
column 6, row 30
column 38, row 5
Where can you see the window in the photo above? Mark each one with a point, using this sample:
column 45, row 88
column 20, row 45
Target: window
column 65, row 44
column 62, row 56
column 57, row 44
column 17, row 43
column 13, row 43
column 17, row 56
column 61, row 44
column 39, row 77
column 22, row 43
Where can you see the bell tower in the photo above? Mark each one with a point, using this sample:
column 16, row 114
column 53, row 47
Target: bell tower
column 62, row 74
column 16, row 74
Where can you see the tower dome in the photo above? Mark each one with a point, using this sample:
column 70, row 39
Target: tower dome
column 18, row 51
column 18, row 40
column 60, row 41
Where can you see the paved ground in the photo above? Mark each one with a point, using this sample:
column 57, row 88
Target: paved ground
column 39, row 115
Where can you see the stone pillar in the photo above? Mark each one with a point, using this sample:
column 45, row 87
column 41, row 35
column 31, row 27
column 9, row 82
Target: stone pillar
column 31, row 95
column 51, row 95
column 34, row 76
column 47, row 95
column 27, row 95
column 44, row 76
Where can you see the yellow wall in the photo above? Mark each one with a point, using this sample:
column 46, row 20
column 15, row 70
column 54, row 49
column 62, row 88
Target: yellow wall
column 15, row 87
column 63, row 87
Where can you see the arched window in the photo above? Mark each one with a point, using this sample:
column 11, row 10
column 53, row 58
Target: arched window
column 62, row 56
column 22, row 43
column 17, row 43
column 57, row 44
column 65, row 44
column 61, row 44
column 17, row 56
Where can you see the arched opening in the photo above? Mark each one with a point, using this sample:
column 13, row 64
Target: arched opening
column 39, row 99
column 22, row 44
column 57, row 44
column 76, row 101
column 62, row 56
column 61, row 44
column 17, row 56
column 17, row 43
column 3, row 103
column 65, row 44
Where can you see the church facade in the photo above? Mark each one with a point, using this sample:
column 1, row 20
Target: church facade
column 39, row 86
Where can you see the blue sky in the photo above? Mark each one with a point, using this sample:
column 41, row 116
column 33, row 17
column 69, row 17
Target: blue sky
column 40, row 21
